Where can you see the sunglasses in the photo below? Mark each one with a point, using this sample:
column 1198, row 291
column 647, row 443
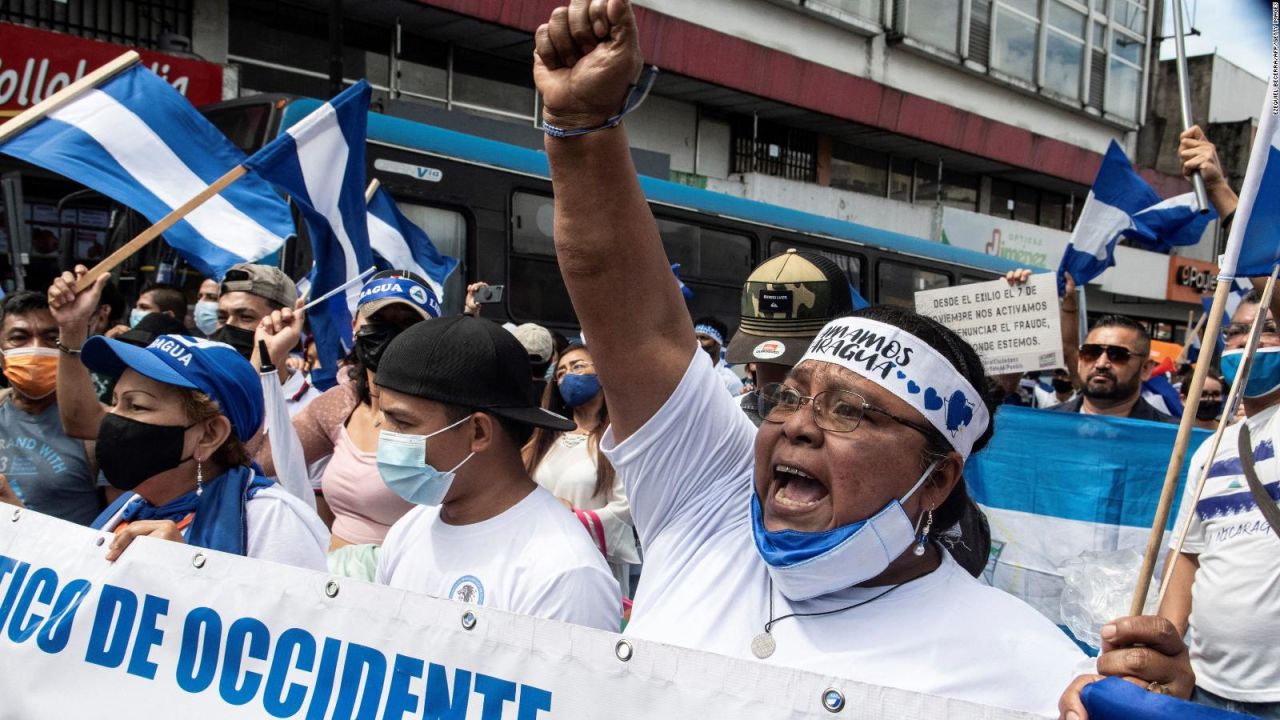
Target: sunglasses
column 1090, row 352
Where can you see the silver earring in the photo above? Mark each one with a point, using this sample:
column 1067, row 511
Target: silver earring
column 199, row 478
column 923, row 539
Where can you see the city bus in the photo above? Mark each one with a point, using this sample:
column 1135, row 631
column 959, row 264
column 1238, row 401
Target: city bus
column 489, row 204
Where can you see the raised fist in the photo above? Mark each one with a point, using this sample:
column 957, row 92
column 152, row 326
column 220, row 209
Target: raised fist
column 585, row 59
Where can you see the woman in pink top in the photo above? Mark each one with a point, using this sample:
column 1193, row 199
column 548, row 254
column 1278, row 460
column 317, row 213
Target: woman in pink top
column 343, row 423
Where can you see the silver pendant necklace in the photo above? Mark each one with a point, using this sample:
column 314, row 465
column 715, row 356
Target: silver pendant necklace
column 763, row 645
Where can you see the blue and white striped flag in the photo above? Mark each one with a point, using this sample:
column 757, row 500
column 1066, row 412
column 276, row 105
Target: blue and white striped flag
column 398, row 244
column 138, row 141
column 1121, row 204
column 1253, row 245
column 319, row 161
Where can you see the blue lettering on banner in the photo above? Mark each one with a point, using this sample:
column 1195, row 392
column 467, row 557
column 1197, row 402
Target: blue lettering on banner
column 247, row 661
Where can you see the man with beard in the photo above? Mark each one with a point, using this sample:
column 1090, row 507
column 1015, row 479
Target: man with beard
column 1113, row 361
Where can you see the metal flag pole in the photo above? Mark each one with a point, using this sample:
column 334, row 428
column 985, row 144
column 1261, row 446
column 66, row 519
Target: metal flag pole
column 1228, row 412
column 1184, row 100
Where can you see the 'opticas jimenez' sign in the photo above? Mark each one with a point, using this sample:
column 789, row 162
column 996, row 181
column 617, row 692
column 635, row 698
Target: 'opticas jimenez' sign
column 35, row 64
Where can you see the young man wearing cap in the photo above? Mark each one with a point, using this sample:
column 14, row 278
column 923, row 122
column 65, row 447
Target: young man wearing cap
column 455, row 398
column 249, row 293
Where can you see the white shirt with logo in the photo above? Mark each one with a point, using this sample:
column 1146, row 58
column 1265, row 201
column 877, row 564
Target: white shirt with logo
column 1234, row 632
column 688, row 474
column 534, row 559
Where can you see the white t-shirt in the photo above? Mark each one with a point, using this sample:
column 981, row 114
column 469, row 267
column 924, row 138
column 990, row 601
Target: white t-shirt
column 280, row 528
column 534, row 559
column 731, row 381
column 688, row 475
column 1234, row 632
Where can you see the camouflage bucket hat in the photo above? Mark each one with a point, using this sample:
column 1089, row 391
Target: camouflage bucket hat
column 785, row 302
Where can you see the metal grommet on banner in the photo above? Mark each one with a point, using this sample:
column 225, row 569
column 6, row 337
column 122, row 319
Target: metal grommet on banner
column 331, row 588
column 623, row 650
column 833, row 700
column 17, row 513
column 198, row 560
column 468, row 620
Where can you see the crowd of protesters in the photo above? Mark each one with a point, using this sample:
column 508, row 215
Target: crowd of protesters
column 815, row 515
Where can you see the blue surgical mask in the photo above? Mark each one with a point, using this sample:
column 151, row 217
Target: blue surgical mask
column 136, row 315
column 806, row 565
column 1264, row 373
column 578, row 390
column 206, row 316
column 402, row 463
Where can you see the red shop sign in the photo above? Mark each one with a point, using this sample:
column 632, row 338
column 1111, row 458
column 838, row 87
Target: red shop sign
column 34, row 64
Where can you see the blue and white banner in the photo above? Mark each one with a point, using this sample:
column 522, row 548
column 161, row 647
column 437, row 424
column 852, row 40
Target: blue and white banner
column 1053, row 487
column 171, row 630
column 1253, row 245
column 398, row 244
column 138, row 141
column 319, row 161
column 1121, row 204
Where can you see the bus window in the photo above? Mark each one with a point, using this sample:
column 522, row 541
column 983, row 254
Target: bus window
column 897, row 283
column 706, row 254
column 448, row 231
column 850, row 264
column 532, row 220
column 971, row 279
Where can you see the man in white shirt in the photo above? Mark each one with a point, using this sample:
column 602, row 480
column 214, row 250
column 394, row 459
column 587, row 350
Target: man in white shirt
column 811, row 544
column 1225, row 588
column 455, row 395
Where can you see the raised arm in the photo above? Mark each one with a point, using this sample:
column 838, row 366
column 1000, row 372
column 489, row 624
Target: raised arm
column 77, row 401
column 607, row 243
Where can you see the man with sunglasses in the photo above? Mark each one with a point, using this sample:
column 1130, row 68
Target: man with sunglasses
column 1112, row 363
column 1223, row 591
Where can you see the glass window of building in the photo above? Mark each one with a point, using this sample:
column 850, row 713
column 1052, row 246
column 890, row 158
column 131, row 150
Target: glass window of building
column 1013, row 49
column 936, row 23
column 1064, row 50
column 859, row 169
column 897, row 283
column 959, row 190
column 900, row 179
column 863, row 9
column 1026, row 202
column 926, row 188
column 424, row 70
column 491, row 84
column 1001, row 204
column 1130, row 14
column 773, row 149
column 1053, row 210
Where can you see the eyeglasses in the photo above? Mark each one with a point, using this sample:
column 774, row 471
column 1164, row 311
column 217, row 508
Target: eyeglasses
column 1118, row 355
column 835, row 410
column 1235, row 330
column 577, row 367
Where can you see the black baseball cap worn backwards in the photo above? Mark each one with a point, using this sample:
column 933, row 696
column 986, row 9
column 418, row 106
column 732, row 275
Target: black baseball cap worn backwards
column 468, row 362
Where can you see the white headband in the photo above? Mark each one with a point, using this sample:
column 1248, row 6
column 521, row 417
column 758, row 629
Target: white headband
column 908, row 367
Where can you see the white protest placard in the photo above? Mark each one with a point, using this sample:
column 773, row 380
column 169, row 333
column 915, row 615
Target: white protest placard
column 171, row 630
column 1013, row 329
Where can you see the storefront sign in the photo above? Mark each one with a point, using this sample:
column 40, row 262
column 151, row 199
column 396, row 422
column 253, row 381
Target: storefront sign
column 35, row 64
column 1190, row 280
column 1013, row 329
column 1023, row 243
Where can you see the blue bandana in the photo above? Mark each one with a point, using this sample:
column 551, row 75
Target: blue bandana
column 709, row 332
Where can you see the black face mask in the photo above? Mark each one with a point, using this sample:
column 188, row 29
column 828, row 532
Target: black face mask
column 1209, row 410
column 238, row 338
column 1061, row 386
column 130, row 452
column 371, row 341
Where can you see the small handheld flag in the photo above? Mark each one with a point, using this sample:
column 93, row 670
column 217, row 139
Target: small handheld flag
column 398, row 244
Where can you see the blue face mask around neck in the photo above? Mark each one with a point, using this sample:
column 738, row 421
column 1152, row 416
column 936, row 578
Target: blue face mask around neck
column 806, row 565
column 1264, row 373
column 578, row 390
column 402, row 463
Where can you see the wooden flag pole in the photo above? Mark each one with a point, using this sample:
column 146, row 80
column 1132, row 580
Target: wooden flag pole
column 1193, row 330
column 373, row 188
column 1237, row 389
column 34, row 113
column 1212, row 327
column 124, row 252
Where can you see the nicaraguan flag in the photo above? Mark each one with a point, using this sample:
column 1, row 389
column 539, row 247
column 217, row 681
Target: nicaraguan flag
column 1121, row 204
column 138, row 141
column 319, row 161
column 398, row 244
column 1253, row 246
